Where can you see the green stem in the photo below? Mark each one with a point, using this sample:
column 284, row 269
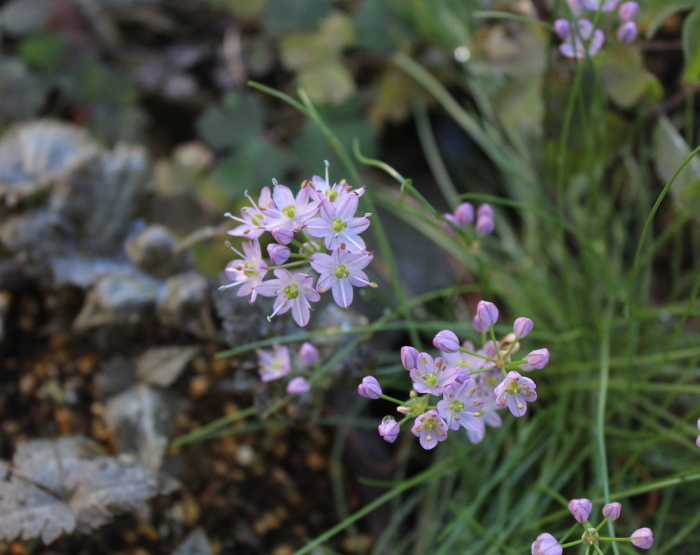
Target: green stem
column 201, row 433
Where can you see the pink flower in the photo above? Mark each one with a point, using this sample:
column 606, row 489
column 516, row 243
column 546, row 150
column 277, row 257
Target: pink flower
column 460, row 407
column 627, row 32
column 446, row 341
column 294, row 292
column 583, row 40
column 432, row 376
column 389, row 429
column 603, row 5
column 308, row 354
column 297, row 386
column 323, row 190
column 522, row 327
column 515, row 391
column 289, row 213
column 370, row 388
column 487, row 313
column 340, row 271
column 338, row 224
column 642, row 538
column 252, row 219
column 430, row 429
column 581, row 509
column 611, row 511
column 248, row 271
column 546, row 544
column 628, row 11
column 409, row 356
column 536, row 360
column 274, row 364
column 279, row 254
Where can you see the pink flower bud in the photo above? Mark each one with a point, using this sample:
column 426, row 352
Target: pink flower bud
column 627, row 32
column 628, row 11
column 446, row 341
column 370, row 388
column 546, row 544
column 562, row 28
column 484, row 225
column 484, row 211
column 522, row 327
column 283, row 235
column 279, row 254
column 487, row 313
column 489, row 349
column 409, row 355
column 464, row 214
column 642, row 538
column 297, row 386
column 611, row 511
column 308, row 354
column 478, row 326
column 536, row 360
column 581, row 509
column 389, row 429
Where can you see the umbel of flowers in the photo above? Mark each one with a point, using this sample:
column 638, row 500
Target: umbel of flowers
column 463, row 387
column 276, row 363
column 580, row 35
column 320, row 222
column 546, row 544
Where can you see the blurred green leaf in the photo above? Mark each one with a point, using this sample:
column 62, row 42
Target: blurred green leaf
column 288, row 16
column 251, row 167
column 658, row 10
column 691, row 46
column 625, row 79
column 316, row 59
column 92, row 82
column 330, row 83
column 670, row 149
column 346, row 121
column 379, row 23
column 237, row 120
column 44, row 51
column 520, row 106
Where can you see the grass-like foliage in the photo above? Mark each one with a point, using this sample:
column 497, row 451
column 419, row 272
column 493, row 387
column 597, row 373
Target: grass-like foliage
column 595, row 241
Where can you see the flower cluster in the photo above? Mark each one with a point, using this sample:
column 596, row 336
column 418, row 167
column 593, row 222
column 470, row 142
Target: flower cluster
column 277, row 363
column 546, row 544
column 318, row 211
column 463, row 218
column 581, row 38
column 471, row 385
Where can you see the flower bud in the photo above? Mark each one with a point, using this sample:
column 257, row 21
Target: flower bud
column 628, row 11
column 487, row 313
column 409, row 355
column 283, row 235
column 484, row 211
column 562, row 28
column 627, row 32
column 536, row 360
column 522, row 327
column 478, row 326
column 546, row 544
column 308, row 354
column 611, row 511
column 484, row 225
column 297, row 386
column 389, row 429
column 464, row 214
column 642, row 538
column 446, row 341
column 489, row 349
column 581, row 509
column 370, row 388
column 279, row 254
